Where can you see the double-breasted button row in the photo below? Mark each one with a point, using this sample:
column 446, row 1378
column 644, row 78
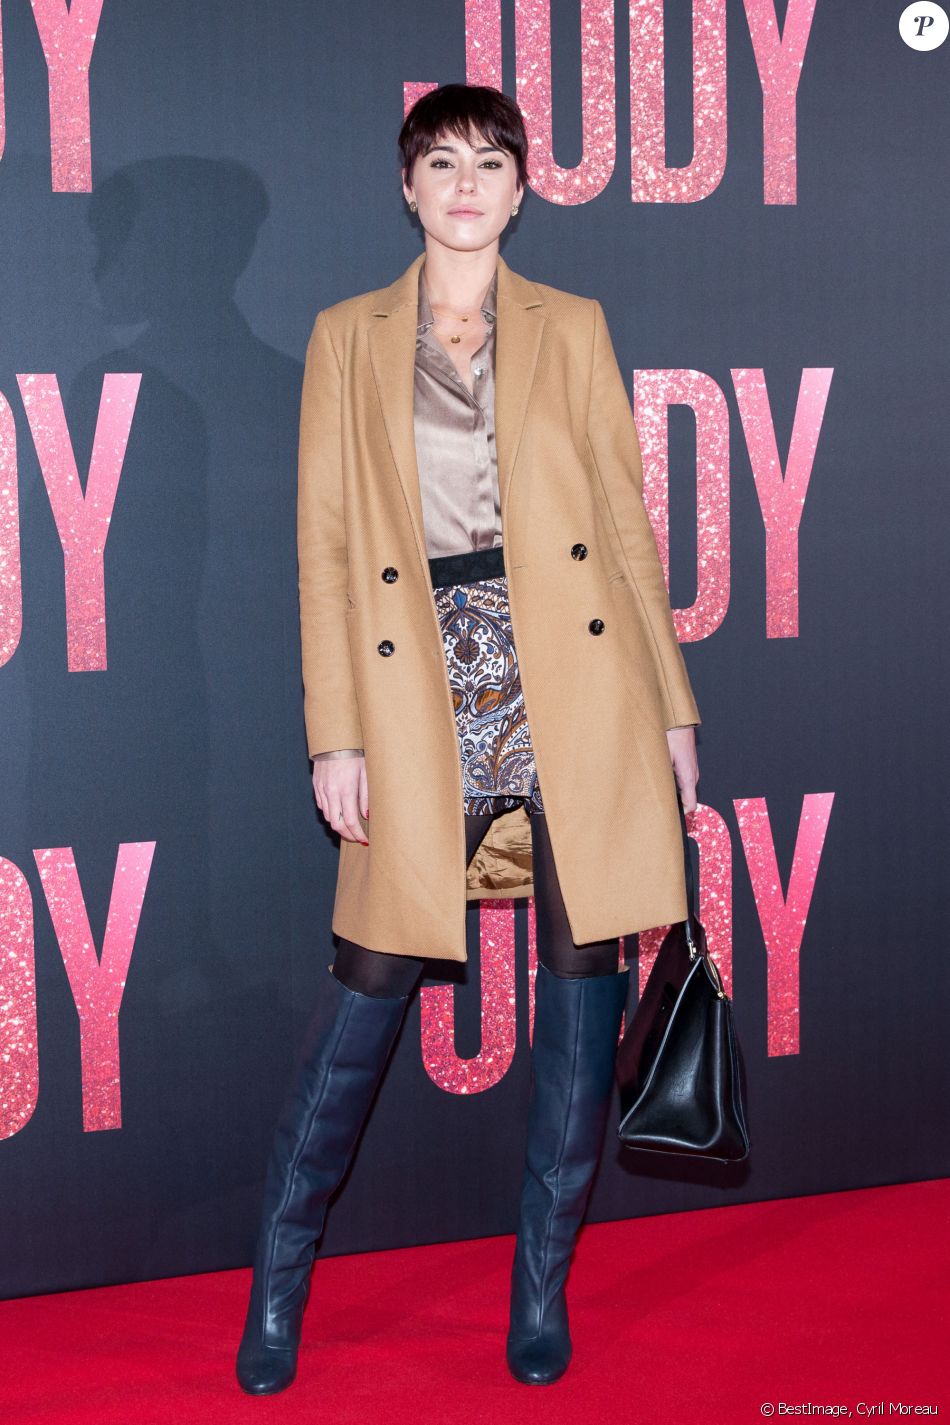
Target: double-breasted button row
column 386, row 648
column 579, row 551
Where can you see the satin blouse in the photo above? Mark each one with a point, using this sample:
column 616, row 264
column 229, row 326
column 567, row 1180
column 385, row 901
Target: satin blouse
column 455, row 438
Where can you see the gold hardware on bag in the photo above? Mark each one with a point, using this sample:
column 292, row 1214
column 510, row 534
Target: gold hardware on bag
column 716, row 977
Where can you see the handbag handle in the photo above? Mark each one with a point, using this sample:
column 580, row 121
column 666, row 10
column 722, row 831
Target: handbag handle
column 692, row 907
column 692, row 900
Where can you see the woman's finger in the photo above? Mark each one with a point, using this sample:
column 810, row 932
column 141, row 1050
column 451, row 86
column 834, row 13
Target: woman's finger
column 350, row 816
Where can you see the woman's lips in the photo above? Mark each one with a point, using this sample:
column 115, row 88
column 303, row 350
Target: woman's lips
column 464, row 213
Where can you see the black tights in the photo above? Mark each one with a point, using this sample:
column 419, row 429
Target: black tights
column 374, row 972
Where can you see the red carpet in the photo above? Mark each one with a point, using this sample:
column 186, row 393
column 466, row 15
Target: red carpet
column 838, row 1298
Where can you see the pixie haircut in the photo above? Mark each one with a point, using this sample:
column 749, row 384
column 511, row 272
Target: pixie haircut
column 464, row 109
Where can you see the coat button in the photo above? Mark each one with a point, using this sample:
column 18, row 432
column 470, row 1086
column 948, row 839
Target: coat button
column 386, row 647
column 390, row 574
column 579, row 551
column 596, row 625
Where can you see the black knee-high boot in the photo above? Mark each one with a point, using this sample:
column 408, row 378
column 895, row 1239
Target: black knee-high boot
column 576, row 1030
column 346, row 1048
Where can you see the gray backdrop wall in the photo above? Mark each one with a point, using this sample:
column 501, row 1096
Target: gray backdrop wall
column 779, row 307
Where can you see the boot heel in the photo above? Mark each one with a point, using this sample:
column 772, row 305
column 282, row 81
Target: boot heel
column 346, row 1049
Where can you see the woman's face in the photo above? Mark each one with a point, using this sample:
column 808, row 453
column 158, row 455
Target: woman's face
column 464, row 191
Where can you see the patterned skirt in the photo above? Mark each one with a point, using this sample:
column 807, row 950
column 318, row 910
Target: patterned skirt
column 471, row 598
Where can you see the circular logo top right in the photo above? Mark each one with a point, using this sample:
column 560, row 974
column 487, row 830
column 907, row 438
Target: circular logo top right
column 924, row 25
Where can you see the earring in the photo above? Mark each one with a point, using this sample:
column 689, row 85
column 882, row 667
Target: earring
column 514, row 212
column 412, row 206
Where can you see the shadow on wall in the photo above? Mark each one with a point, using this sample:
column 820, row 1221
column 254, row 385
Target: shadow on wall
column 192, row 736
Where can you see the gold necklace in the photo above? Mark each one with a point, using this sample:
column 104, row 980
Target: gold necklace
column 456, row 317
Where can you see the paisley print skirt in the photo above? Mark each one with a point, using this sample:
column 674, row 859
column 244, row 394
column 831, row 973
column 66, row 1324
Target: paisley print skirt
column 498, row 769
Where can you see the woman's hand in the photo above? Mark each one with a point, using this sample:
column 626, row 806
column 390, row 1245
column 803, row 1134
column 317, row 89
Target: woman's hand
column 339, row 785
column 682, row 744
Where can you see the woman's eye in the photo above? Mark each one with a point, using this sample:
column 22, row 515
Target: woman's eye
column 490, row 162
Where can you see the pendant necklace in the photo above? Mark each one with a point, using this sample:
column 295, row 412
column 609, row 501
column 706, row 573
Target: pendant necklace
column 456, row 339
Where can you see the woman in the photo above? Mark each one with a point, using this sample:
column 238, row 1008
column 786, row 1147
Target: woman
column 488, row 646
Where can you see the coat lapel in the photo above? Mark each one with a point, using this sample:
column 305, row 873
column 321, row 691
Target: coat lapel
column 392, row 345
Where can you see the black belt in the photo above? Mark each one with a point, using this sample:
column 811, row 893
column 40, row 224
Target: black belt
column 467, row 568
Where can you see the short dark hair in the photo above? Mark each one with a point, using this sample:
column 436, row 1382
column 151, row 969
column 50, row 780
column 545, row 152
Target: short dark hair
column 462, row 109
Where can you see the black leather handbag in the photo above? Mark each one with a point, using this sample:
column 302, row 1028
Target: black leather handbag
column 678, row 1064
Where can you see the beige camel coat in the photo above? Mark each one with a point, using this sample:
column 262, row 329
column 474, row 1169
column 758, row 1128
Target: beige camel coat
column 598, row 703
